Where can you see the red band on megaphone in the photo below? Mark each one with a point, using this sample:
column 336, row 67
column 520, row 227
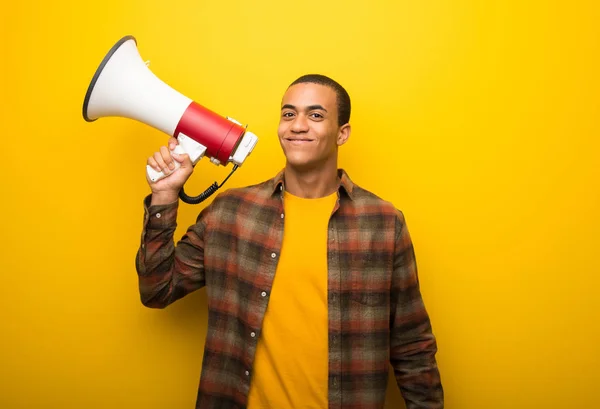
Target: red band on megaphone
column 218, row 134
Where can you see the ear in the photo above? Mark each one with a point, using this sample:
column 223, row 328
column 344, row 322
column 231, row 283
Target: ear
column 343, row 134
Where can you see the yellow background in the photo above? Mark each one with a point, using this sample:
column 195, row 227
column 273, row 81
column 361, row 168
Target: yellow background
column 479, row 119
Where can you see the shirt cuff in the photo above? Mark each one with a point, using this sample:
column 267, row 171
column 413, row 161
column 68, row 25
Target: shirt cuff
column 162, row 216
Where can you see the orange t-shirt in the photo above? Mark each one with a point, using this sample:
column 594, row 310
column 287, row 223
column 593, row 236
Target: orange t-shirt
column 291, row 362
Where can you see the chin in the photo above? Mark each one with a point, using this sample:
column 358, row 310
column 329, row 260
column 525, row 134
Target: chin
column 302, row 164
column 298, row 158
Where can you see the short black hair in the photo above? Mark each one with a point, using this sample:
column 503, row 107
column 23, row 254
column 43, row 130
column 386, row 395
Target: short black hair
column 343, row 99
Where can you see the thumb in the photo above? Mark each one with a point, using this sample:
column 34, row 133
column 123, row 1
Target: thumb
column 172, row 143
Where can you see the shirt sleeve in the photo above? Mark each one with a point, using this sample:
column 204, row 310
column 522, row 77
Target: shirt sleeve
column 412, row 343
column 168, row 272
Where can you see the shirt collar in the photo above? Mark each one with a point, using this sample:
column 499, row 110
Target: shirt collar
column 345, row 184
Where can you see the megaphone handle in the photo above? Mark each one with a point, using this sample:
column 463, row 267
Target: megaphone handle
column 154, row 175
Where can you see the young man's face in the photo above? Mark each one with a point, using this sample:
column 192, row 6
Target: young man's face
column 308, row 127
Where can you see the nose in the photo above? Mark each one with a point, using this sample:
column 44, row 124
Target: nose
column 300, row 124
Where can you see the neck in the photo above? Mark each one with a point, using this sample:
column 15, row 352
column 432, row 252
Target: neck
column 311, row 183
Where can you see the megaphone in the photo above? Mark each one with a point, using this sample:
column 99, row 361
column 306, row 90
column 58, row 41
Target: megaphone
column 124, row 86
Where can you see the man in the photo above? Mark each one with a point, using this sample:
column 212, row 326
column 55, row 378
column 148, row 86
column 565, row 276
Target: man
column 311, row 280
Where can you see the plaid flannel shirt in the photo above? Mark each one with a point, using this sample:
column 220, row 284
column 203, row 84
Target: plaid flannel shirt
column 375, row 310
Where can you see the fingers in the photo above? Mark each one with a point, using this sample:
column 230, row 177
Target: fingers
column 167, row 158
column 162, row 161
column 152, row 163
column 182, row 158
column 167, row 161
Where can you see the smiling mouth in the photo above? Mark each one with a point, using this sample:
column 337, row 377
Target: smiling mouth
column 298, row 140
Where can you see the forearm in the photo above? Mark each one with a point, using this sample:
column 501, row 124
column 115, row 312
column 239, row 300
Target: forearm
column 163, row 198
column 167, row 272
column 412, row 344
column 412, row 355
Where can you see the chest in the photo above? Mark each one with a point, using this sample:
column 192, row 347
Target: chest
column 358, row 247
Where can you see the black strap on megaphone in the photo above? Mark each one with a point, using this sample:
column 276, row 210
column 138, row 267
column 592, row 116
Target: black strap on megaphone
column 207, row 193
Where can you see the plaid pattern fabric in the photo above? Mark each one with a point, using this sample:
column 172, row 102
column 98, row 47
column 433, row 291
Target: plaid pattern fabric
column 376, row 313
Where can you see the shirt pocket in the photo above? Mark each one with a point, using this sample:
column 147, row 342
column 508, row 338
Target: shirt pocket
column 369, row 276
column 369, row 288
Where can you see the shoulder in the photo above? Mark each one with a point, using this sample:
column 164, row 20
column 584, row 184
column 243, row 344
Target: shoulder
column 366, row 200
column 255, row 193
column 369, row 204
column 246, row 198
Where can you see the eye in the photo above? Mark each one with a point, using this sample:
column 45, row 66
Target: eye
column 316, row 115
column 287, row 114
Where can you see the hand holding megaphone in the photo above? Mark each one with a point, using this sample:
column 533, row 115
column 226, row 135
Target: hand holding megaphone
column 156, row 169
column 124, row 86
column 175, row 169
column 172, row 163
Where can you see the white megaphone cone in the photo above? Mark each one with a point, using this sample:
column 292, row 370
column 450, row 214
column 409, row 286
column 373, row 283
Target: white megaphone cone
column 123, row 86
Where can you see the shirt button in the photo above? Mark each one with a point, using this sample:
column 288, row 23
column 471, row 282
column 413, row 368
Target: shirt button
column 252, row 334
column 158, row 215
column 264, row 294
column 282, row 215
column 247, row 373
column 273, row 255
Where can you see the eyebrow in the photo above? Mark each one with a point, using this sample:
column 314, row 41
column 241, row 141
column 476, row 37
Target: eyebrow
column 309, row 108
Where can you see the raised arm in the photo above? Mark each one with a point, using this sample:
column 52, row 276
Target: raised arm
column 168, row 272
